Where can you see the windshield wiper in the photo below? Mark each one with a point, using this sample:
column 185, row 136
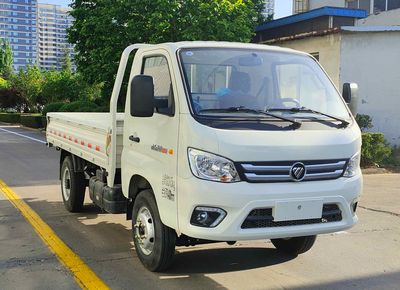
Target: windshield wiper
column 242, row 109
column 343, row 123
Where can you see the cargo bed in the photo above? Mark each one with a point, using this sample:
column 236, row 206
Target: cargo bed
column 87, row 135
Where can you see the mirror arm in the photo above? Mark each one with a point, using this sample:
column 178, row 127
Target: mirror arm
column 160, row 103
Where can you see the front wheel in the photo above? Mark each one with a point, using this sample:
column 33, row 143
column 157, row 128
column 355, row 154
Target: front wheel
column 294, row 246
column 154, row 242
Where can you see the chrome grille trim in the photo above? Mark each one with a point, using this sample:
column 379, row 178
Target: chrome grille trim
column 250, row 167
column 337, row 165
column 280, row 171
column 257, row 177
column 313, row 176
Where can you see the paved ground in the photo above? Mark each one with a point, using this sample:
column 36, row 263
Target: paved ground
column 366, row 257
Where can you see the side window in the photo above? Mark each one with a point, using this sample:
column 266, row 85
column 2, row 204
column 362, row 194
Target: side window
column 157, row 67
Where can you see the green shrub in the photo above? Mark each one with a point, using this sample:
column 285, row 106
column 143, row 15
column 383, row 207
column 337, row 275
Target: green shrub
column 4, row 84
column 374, row 149
column 33, row 121
column 10, row 117
column 44, row 122
column 101, row 102
column 87, row 109
column 364, row 121
column 394, row 158
column 103, row 109
column 52, row 107
column 11, row 100
column 79, row 106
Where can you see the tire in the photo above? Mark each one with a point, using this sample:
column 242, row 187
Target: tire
column 73, row 186
column 154, row 242
column 294, row 246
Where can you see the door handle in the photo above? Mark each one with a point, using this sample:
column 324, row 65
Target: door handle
column 134, row 139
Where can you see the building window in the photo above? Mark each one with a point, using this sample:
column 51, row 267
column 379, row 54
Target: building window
column 393, row 4
column 360, row 4
column 364, row 5
column 379, row 6
column 352, row 4
column 300, row 6
column 384, row 5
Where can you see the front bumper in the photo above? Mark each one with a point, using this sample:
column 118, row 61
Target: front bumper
column 239, row 199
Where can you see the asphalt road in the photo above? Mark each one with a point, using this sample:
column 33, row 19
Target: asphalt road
column 365, row 257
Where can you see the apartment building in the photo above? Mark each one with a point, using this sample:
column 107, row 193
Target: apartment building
column 53, row 21
column 18, row 25
column 371, row 6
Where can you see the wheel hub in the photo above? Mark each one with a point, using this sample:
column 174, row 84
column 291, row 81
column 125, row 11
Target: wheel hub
column 144, row 231
column 66, row 184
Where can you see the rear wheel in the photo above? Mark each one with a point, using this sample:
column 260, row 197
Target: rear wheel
column 73, row 186
column 154, row 242
column 294, row 246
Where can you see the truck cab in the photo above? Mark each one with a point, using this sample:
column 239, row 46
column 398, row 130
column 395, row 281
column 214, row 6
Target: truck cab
column 223, row 142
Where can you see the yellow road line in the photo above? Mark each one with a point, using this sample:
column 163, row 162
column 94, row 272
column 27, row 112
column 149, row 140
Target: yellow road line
column 85, row 277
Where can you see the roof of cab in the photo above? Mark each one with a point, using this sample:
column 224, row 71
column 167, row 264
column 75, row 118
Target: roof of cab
column 174, row 46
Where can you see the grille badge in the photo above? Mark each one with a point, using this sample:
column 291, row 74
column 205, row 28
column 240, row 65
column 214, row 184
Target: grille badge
column 298, row 171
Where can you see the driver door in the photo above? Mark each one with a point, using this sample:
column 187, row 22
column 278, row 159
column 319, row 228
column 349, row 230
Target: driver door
column 153, row 153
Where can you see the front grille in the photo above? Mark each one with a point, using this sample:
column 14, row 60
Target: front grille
column 280, row 171
column 262, row 218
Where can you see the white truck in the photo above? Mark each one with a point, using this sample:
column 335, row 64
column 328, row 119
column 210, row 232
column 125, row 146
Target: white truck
column 218, row 142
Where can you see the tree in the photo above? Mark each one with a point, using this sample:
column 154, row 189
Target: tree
column 11, row 99
column 2, row 53
column 67, row 87
column 4, row 84
column 6, row 59
column 259, row 6
column 28, row 83
column 66, row 61
column 103, row 28
column 364, row 122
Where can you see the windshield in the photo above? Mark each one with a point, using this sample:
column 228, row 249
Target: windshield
column 222, row 78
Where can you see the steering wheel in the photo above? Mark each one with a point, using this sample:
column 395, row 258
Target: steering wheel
column 238, row 100
column 280, row 102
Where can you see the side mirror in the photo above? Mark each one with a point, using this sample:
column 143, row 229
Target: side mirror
column 350, row 95
column 142, row 96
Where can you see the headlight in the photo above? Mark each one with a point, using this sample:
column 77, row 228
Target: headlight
column 208, row 166
column 353, row 166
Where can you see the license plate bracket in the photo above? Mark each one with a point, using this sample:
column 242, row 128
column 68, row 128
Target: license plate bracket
column 297, row 210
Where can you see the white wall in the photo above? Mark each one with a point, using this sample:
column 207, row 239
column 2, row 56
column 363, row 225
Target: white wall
column 314, row 4
column 328, row 47
column 372, row 59
column 391, row 17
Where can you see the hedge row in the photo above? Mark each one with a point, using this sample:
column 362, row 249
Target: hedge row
column 375, row 149
column 77, row 106
column 32, row 121
column 10, row 117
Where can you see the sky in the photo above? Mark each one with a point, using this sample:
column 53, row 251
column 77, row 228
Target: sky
column 64, row 3
column 282, row 7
